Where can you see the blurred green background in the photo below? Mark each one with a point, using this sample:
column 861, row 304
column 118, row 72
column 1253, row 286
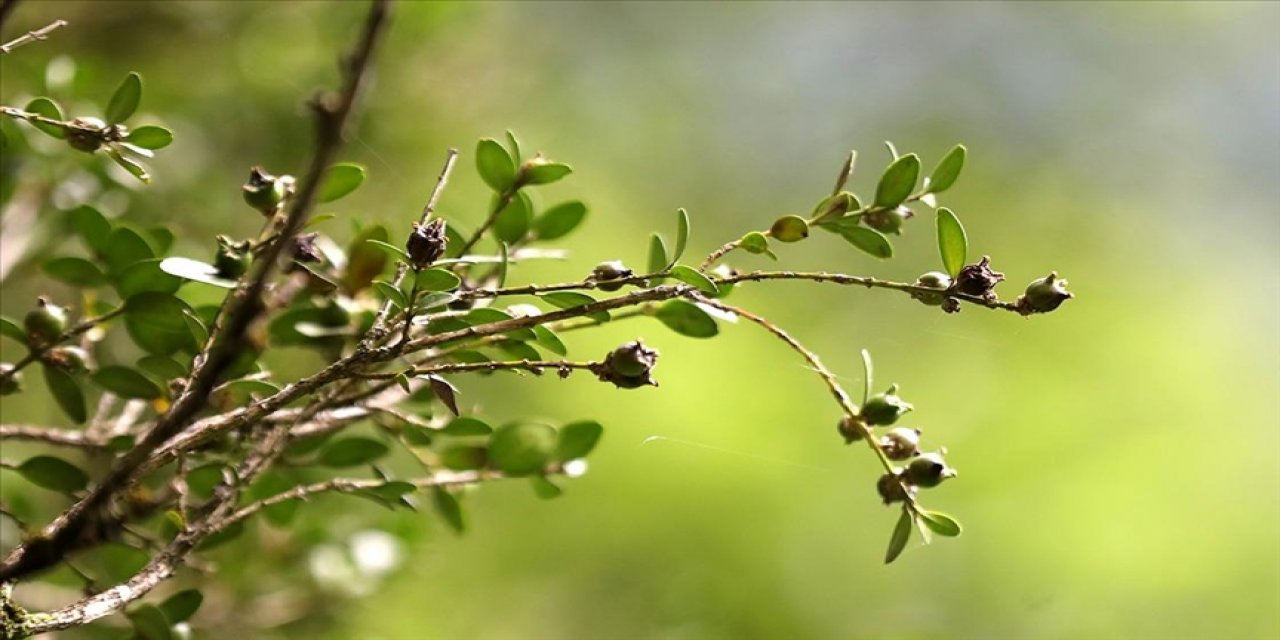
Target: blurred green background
column 1117, row 458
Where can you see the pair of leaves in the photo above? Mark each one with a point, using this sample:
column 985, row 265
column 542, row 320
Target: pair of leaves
column 899, row 179
column 659, row 258
column 500, row 168
column 936, row 521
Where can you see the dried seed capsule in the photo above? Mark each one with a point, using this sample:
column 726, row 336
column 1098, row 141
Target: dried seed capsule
column 927, row 470
column 305, row 249
column 45, row 323
column 933, row 280
column 629, row 366
column 264, row 191
column 88, row 135
column 978, row 279
column 1044, row 295
column 887, row 220
column 12, row 383
column 848, row 429
column 901, row 443
column 890, row 488
column 611, row 270
column 884, row 408
column 789, row 229
column 426, row 243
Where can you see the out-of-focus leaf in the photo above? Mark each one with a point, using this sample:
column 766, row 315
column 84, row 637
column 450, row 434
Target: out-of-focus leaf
column 514, row 220
column 687, row 318
column 364, row 261
column 351, row 452
column 464, row 458
column 150, row 137
column 521, row 448
column 126, row 383
column 571, row 299
column 546, row 173
column 467, row 426
column 182, row 605
column 445, row 391
column 149, row 623
column 123, row 248
column 157, row 323
column 162, row 367
column 559, row 220
column 54, row 474
column 11, row 329
column 67, row 393
column 341, row 179
column 449, row 508
column 577, row 439
column 145, row 276
column 74, row 271
column 93, row 228
column 125, row 99
column 544, row 488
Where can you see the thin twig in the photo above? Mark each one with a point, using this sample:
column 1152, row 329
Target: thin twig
column 32, row 36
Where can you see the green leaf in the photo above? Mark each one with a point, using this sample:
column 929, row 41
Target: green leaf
column 657, row 254
column 504, row 263
column 392, row 494
column 467, row 426
column 162, row 367
column 691, row 276
column 464, row 458
column 196, row 327
column 513, row 145
column 66, row 391
column 196, row 271
column 390, row 249
column 126, row 383
column 953, row 243
column 435, row 300
column 144, row 276
column 93, row 228
column 202, row 480
column 944, row 175
column 125, row 99
column 495, row 165
column 157, row 323
column 389, row 292
column 364, row 260
column 571, row 299
column 577, row 439
column 150, row 137
column 898, row 541
column 54, row 474
column 941, row 523
column 437, row 280
column 559, row 220
column 756, row 242
column 341, row 179
column 161, row 239
column 351, row 452
column 544, row 488
column 546, row 173
column 687, row 319
column 123, row 247
column 149, row 623
column 449, row 509
column 445, row 392
column 682, row 235
column 130, row 165
column 869, row 240
column 547, row 339
column 182, row 605
column 867, row 371
column 519, row 350
column 522, row 448
column 10, row 328
column 897, row 181
column 512, row 223
column 49, row 109
column 77, row 272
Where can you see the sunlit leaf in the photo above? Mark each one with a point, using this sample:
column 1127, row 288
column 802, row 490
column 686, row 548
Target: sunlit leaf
column 898, row 181
column 898, row 541
column 682, row 236
column 953, row 243
column 195, row 270
column 687, row 318
column 495, row 165
column 948, row 169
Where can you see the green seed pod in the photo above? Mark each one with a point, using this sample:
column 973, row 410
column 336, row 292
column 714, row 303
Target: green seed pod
column 887, row 221
column 12, row 383
column 1044, row 295
column 789, row 229
column 848, row 429
column 71, row 360
column 884, row 408
column 927, row 470
column 88, row 136
column 629, row 366
column 45, row 323
column 901, row 443
column 264, row 192
column 933, row 280
column 889, row 486
column 835, row 206
column 611, row 270
column 233, row 258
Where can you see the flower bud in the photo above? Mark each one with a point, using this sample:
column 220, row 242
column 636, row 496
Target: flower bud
column 426, row 243
column 71, row 360
column 45, row 323
column 12, row 382
column 933, row 280
column 884, row 408
column 978, row 279
column 1044, row 295
column 264, row 191
column 87, row 135
column 890, row 488
column 789, row 229
column 887, row 220
column 611, row 270
column 233, row 258
column 848, row 429
column 628, row 366
column 901, row 443
column 927, row 470
column 834, row 207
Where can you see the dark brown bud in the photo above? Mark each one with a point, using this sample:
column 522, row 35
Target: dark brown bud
column 87, row 135
column 426, row 243
column 978, row 279
column 890, row 488
column 901, row 443
column 305, row 250
column 629, row 366
column 848, row 429
column 606, row 271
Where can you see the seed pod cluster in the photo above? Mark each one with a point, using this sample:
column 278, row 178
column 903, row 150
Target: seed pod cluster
column 923, row 471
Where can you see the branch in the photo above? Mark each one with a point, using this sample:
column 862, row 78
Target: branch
column 537, row 367
column 50, row 435
column 79, row 328
column 32, row 36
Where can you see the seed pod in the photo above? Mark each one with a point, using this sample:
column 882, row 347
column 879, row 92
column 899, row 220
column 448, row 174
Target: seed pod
column 933, row 280
column 887, row 220
column 71, row 360
column 426, row 243
column 629, row 366
column 1044, row 295
column 45, row 323
column 305, row 249
column 12, row 383
column 848, row 429
column 264, row 191
column 789, row 229
column 889, row 486
column 88, row 136
column 927, row 470
column 978, row 279
column 232, row 258
column 611, row 270
column 884, row 408
column 901, row 443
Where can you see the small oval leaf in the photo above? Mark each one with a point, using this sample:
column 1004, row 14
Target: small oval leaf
column 869, row 240
column 898, row 541
column 351, row 452
column 522, row 448
column 682, row 235
column 495, row 165
column 559, row 220
column 897, row 181
column 49, row 109
column 577, row 439
column 948, row 169
column 150, row 137
column 54, row 474
column 125, row 99
column 126, row 383
column 953, row 243
column 691, row 276
column 341, row 179
column 67, row 393
column 546, row 173
column 687, row 319
column 657, row 254
column 74, row 271
column 941, row 523
column 437, row 280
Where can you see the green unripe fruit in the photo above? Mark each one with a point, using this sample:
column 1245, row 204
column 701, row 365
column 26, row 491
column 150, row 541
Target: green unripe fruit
column 264, row 191
column 933, row 280
column 1044, row 295
column 233, row 258
column 901, row 443
column 607, row 271
column 884, row 408
column 887, row 221
column 11, row 383
column 45, row 323
column 834, row 206
column 927, row 470
column 71, row 360
column 87, row 136
column 790, row 229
